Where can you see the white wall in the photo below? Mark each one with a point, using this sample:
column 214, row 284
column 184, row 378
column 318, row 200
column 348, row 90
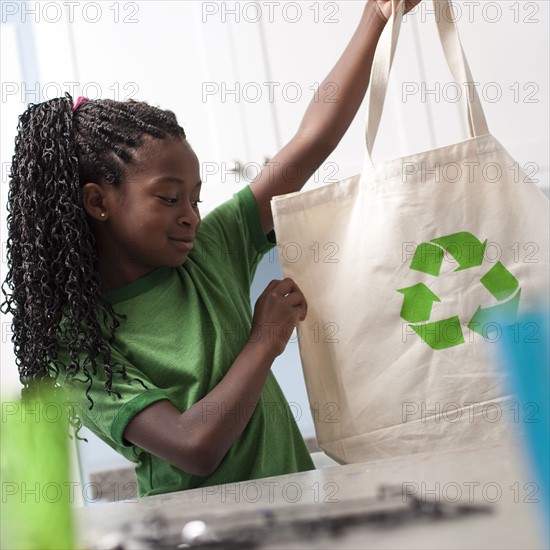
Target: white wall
column 176, row 54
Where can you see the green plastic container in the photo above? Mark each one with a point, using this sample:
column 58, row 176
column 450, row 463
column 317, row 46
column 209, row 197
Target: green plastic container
column 37, row 493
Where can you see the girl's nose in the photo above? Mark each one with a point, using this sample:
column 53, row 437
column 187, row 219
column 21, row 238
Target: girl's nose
column 189, row 217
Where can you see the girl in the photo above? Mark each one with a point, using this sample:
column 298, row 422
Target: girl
column 141, row 311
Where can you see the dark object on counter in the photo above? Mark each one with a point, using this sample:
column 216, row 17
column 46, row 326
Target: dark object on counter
column 390, row 508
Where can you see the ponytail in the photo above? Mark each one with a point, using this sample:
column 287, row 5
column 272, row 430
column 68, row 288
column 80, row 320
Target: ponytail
column 52, row 288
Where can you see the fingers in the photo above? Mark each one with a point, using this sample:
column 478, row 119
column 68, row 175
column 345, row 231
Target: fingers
column 286, row 286
column 271, row 286
column 291, row 293
column 281, row 288
column 282, row 305
column 296, row 299
column 294, row 296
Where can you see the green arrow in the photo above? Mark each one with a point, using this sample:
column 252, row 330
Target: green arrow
column 499, row 282
column 464, row 247
column 441, row 334
column 417, row 303
column 428, row 259
column 495, row 314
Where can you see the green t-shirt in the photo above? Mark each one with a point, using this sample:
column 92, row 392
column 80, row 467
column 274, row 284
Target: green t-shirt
column 184, row 329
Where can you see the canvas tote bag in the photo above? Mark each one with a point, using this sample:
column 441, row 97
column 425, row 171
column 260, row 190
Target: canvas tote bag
column 412, row 271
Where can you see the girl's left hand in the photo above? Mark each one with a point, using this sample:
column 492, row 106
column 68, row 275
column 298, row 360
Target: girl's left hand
column 384, row 7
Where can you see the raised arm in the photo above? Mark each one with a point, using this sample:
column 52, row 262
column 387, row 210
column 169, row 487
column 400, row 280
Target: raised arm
column 325, row 123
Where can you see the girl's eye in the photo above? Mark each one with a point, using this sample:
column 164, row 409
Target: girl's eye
column 169, row 200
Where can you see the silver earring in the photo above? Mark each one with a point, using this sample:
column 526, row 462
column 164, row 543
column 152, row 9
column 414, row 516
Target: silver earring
column 103, row 214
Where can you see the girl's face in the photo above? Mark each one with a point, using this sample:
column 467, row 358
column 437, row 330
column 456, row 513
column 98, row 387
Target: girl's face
column 152, row 219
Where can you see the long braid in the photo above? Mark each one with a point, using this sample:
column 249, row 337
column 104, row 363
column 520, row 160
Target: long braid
column 53, row 288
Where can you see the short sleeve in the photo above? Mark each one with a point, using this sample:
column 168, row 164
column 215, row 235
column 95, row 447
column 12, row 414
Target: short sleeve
column 232, row 236
column 110, row 413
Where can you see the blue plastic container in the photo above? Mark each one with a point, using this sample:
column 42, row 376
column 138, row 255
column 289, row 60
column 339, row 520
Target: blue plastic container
column 525, row 354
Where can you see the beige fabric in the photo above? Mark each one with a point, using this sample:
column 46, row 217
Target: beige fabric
column 376, row 388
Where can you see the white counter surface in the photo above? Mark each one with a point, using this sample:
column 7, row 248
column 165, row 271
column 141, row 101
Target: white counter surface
column 494, row 476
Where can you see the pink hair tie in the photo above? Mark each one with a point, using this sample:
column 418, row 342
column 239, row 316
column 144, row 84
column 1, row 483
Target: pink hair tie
column 79, row 102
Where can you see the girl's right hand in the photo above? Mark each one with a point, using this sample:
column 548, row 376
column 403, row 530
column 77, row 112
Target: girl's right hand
column 276, row 313
column 384, row 8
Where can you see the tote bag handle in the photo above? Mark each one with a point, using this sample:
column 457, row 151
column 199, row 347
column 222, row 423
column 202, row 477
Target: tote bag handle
column 456, row 61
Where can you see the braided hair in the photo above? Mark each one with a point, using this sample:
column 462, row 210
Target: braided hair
column 52, row 281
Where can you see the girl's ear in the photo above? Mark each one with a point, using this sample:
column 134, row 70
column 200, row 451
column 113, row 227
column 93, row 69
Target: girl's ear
column 94, row 201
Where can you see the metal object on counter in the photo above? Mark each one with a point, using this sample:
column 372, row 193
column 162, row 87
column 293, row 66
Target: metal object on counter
column 197, row 533
column 390, row 508
column 141, row 535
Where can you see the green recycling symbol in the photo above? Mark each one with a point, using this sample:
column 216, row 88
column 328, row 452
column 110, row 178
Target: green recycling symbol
column 418, row 299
